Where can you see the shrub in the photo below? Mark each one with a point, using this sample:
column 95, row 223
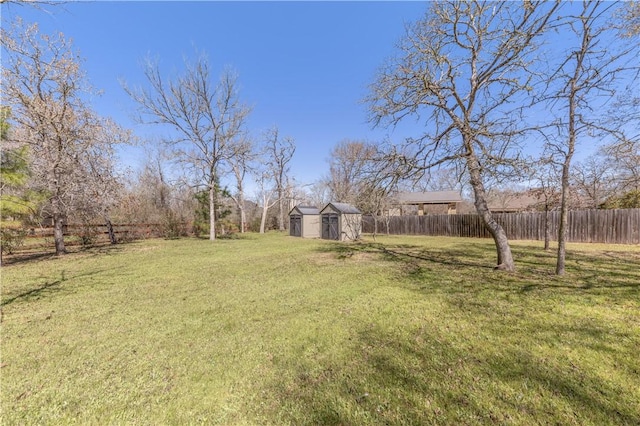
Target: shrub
column 11, row 239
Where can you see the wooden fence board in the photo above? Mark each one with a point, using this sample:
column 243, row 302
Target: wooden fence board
column 619, row 226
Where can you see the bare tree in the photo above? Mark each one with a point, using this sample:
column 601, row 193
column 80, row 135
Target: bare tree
column 149, row 192
column 45, row 86
column 624, row 158
column 586, row 77
column 99, row 190
column 545, row 180
column 462, row 69
column 354, row 177
column 266, row 195
column 155, row 195
column 278, row 154
column 630, row 19
column 318, row 193
column 593, row 180
column 439, row 179
column 207, row 119
column 240, row 163
column 349, row 161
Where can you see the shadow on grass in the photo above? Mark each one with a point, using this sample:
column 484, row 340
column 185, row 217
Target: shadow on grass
column 430, row 379
column 387, row 381
column 45, row 289
column 413, row 255
column 502, row 351
column 29, row 257
column 471, row 262
column 18, row 258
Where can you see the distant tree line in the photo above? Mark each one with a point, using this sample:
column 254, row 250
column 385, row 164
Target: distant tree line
column 58, row 156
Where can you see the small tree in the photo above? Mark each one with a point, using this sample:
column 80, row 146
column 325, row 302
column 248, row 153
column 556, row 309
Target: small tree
column 586, row 76
column 241, row 164
column 546, row 187
column 593, row 180
column 624, row 160
column 278, row 153
column 266, row 196
column 349, row 164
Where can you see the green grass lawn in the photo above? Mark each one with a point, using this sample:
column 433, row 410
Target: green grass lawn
column 273, row 330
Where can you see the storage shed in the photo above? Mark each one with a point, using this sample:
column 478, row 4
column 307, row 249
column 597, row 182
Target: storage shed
column 304, row 221
column 340, row 221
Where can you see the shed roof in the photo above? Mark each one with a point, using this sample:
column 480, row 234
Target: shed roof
column 432, row 197
column 343, row 208
column 304, row 210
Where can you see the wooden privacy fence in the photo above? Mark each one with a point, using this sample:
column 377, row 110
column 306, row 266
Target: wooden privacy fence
column 620, row 226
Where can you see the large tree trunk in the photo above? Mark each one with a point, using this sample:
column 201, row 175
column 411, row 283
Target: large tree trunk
column 58, row 233
column 212, row 212
column 505, row 258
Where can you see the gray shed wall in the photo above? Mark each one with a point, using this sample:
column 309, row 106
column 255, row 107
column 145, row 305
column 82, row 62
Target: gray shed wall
column 311, row 226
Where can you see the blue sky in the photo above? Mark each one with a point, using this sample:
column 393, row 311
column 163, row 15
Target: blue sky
column 303, row 66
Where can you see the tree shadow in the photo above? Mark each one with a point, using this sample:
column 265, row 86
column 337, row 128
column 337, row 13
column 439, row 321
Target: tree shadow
column 469, row 256
column 428, row 378
column 590, row 273
column 42, row 290
column 483, row 373
column 18, row 258
column 29, row 257
column 535, row 267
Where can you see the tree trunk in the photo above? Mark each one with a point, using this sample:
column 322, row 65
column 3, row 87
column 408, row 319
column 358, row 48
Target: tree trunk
column 375, row 226
column 566, row 166
column 547, row 228
column 562, row 226
column 280, row 213
column 58, row 233
column 212, row 212
column 243, row 220
column 505, row 258
column 263, row 219
column 112, row 234
column 243, row 216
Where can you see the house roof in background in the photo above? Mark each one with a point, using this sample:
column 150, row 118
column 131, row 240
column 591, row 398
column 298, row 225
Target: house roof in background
column 432, row 197
column 513, row 202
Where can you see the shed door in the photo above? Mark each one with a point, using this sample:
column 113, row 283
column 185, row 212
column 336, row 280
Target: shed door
column 330, row 226
column 295, row 226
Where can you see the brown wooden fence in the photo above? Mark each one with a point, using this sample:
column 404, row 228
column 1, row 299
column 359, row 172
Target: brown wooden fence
column 99, row 231
column 37, row 238
column 589, row 226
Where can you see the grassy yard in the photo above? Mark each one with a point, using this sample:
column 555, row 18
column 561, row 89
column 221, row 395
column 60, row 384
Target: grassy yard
column 274, row 330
